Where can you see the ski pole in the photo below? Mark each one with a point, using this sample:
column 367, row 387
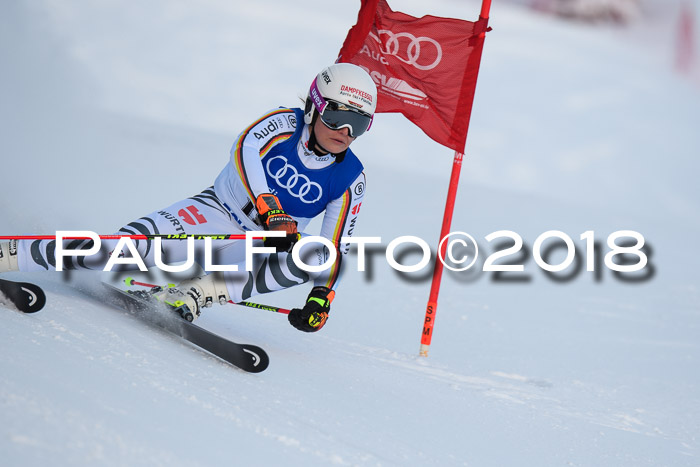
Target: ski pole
column 263, row 307
column 130, row 281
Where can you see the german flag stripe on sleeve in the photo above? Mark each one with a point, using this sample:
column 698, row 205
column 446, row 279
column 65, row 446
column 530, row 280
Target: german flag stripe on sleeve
column 338, row 235
column 277, row 139
column 238, row 151
column 342, row 219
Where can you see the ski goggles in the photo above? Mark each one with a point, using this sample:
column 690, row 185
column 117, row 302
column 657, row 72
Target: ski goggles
column 336, row 115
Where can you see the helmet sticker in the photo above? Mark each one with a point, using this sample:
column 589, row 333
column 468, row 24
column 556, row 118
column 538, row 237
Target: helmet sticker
column 319, row 102
column 326, row 78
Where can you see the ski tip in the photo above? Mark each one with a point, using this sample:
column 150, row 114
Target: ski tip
column 259, row 360
column 36, row 299
column 26, row 297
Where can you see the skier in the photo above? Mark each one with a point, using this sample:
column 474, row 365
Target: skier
column 286, row 168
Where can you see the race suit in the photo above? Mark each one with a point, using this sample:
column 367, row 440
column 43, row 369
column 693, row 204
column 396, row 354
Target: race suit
column 270, row 155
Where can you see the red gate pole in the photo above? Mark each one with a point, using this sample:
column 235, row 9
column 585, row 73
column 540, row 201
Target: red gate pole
column 431, row 309
column 437, row 271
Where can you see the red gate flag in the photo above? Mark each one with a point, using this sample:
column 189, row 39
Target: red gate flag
column 425, row 68
column 686, row 40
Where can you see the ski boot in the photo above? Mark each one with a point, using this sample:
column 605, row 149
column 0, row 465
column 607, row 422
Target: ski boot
column 8, row 256
column 190, row 296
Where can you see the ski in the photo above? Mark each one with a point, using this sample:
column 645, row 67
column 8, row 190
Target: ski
column 247, row 357
column 26, row 297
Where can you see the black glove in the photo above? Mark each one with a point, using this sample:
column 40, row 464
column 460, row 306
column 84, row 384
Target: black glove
column 313, row 316
column 273, row 218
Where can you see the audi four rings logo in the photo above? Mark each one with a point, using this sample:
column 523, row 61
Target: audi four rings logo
column 296, row 184
column 413, row 50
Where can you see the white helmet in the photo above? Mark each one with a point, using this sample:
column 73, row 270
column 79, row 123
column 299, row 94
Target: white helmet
column 344, row 96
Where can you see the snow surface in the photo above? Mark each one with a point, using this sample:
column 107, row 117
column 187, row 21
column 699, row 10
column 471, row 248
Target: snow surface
column 111, row 110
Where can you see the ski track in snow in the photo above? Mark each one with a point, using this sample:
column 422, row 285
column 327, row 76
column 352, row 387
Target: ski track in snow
column 99, row 343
